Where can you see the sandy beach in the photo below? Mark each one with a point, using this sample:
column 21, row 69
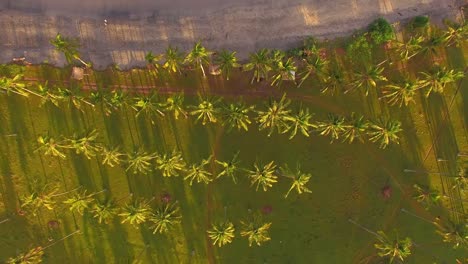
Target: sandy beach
column 137, row 26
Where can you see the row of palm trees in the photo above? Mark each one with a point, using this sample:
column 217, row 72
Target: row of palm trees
column 173, row 164
column 276, row 117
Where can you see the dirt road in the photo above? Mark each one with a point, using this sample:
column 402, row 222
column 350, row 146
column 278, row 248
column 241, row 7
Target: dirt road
column 137, row 26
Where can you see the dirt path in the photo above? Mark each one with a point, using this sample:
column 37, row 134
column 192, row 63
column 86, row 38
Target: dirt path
column 26, row 26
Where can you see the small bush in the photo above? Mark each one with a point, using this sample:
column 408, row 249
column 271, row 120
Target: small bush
column 381, row 31
column 359, row 49
column 420, row 22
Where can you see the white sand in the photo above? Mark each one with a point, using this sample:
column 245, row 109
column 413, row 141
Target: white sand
column 137, row 26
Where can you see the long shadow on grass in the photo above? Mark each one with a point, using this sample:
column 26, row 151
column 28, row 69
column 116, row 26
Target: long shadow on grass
column 444, row 144
column 82, row 171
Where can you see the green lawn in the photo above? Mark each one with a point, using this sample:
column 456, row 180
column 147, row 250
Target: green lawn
column 310, row 228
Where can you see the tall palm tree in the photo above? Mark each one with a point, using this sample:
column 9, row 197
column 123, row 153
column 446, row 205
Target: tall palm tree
column 222, row 233
column 49, row 146
column 86, row 144
column 315, row 66
column 401, row 93
column 276, row 116
column 393, row 248
column 207, row 110
column 198, row 56
column 230, row 168
column 299, row 178
column 385, row 132
column 72, row 97
column 69, row 48
column 98, row 98
column 425, row 196
column 259, row 62
column 170, row 164
column 300, row 122
column 437, row 79
column 455, row 34
column 140, row 161
column 334, row 126
column 81, row 201
column 33, row 256
column 175, row 103
column 284, row 70
column 42, row 198
column 237, row 115
column 335, row 81
column 136, row 212
column 47, row 96
column 13, row 85
column 198, row 172
column 410, row 48
column 165, row 218
column 432, row 44
column 111, row 156
column 153, row 62
column 149, row 105
column 355, row 129
column 256, row 231
column 368, row 79
column 116, row 100
column 104, row 211
column 227, row 61
column 454, row 233
column 173, row 59
column 263, row 176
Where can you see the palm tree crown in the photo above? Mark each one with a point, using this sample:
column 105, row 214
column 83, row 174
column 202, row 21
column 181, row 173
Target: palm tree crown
column 221, row 234
column 263, row 176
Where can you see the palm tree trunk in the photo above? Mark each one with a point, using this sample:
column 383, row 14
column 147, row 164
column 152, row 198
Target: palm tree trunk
column 63, row 238
column 203, row 70
column 4, row 221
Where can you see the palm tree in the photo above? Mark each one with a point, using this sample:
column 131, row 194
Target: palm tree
column 315, row 66
column 394, row 249
column 455, row 34
column 401, row 94
column 276, row 116
column 259, row 62
column 153, row 62
column 237, row 115
column 368, row 79
column 300, row 122
column 170, row 165
column 198, row 172
column 222, row 233
column 46, row 95
column 136, row 212
column 385, row 132
column 356, row 129
column 198, row 56
column 148, row 105
column 175, row 103
column 116, row 100
column 13, row 85
column 334, row 126
column 284, row 70
column 69, row 48
column 263, row 176
column 410, row 48
column 111, row 156
column 174, row 60
column 98, row 98
column 140, row 161
column 81, row 201
column 432, row 43
column 299, row 178
column 334, row 82
column 227, row 61
column 104, row 211
column 86, row 144
column 33, row 256
column 49, row 146
column 207, row 110
column 438, row 78
column 72, row 98
column 165, row 218
column 229, row 168
column 454, row 233
column 426, row 196
column 42, row 198
column 256, row 231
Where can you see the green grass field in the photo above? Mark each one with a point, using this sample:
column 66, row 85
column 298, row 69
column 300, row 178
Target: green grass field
column 346, row 178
